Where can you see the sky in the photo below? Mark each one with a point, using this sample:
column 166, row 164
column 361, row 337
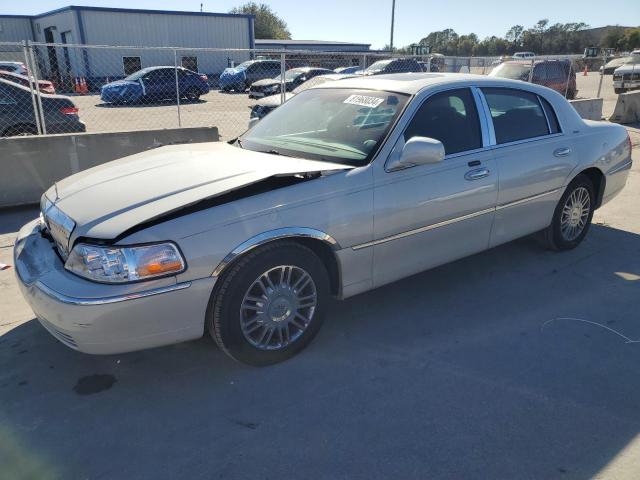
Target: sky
column 369, row 21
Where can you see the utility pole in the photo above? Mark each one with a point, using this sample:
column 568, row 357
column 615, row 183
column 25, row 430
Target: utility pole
column 393, row 13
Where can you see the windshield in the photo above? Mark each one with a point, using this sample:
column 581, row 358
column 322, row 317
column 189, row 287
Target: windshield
column 633, row 59
column 378, row 66
column 244, row 65
column 334, row 125
column 290, row 74
column 138, row 75
column 513, row 71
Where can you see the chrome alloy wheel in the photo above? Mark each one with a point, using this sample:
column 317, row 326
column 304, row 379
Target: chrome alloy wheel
column 575, row 214
column 278, row 307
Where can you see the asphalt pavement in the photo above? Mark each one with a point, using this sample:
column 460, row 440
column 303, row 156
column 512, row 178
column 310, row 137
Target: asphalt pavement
column 514, row 363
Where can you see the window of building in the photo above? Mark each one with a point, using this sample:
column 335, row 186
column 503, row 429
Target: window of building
column 190, row 63
column 131, row 65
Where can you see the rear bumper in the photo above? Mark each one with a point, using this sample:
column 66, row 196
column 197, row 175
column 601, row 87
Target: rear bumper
column 105, row 319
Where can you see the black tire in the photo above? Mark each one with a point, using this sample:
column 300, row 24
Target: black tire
column 224, row 310
column 552, row 236
column 618, row 91
column 193, row 94
column 20, row 131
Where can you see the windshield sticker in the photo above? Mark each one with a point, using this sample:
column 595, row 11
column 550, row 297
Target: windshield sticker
column 364, row 100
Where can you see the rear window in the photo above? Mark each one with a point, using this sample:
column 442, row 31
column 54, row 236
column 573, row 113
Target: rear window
column 517, row 115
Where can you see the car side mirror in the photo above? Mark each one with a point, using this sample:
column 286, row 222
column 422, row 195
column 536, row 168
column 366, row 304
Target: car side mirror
column 418, row 151
column 253, row 121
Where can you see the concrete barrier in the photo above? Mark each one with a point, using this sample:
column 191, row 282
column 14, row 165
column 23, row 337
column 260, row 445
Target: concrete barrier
column 30, row 165
column 627, row 108
column 588, row 108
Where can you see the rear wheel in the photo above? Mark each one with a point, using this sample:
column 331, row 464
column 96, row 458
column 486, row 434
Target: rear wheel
column 193, row 94
column 270, row 304
column 572, row 217
column 618, row 91
column 20, row 131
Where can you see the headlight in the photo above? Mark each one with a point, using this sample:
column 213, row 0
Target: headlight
column 112, row 264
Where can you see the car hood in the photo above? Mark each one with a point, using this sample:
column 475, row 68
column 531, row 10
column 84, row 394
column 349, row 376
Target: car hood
column 274, row 100
column 630, row 68
column 267, row 82
column 120, row 83
column 109, row 199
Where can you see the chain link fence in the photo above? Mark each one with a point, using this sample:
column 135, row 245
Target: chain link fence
column 107, row 89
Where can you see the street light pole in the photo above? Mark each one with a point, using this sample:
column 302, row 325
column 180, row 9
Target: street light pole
column 393, row 13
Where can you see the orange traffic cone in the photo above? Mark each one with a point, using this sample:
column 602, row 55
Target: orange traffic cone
column 83, row 86
column 584, row 74
column 76, row 84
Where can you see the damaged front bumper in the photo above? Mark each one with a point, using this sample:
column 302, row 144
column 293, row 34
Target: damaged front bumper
column 104, row 318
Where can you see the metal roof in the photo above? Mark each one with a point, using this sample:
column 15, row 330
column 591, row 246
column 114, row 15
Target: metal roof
column 129, row 10
column 308, row 42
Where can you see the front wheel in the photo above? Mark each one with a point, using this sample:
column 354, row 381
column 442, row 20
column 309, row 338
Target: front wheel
column 270, row 304
column 572, row 216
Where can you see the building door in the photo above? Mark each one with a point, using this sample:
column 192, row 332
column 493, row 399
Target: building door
column 54, row 68
column 67, row 74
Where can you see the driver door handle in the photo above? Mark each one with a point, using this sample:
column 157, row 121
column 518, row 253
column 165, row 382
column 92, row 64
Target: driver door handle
column 477, row 174
column 562, row 152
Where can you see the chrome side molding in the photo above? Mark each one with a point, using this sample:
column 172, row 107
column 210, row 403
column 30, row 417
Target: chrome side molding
column 453, row 220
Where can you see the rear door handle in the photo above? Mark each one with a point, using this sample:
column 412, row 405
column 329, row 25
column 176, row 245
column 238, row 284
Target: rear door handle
column 477, row 174
column 562, row 152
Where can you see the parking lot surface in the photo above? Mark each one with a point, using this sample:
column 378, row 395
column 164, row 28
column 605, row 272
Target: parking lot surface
column 230, row 111
column 485, row 368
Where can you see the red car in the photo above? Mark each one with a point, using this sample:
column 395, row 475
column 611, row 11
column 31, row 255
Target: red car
column 45, row 86
column 550, row 73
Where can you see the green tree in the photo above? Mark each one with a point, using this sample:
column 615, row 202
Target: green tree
column 631, row 39
column 268, row 25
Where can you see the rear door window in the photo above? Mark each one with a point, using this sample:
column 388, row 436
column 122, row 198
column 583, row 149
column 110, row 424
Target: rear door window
column 551, row 116
column 450, row 117
column 517, row 115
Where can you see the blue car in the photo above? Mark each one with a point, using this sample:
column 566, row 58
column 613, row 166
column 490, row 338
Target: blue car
column 156, row 84
column 242, row 77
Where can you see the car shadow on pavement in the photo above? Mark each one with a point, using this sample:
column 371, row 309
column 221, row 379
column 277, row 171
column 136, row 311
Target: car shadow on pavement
column 469, row 367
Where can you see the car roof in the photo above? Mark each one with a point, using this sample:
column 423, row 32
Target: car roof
column 412, row 83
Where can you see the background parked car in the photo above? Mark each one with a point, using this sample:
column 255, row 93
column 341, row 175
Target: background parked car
column 627, row 77
column 268, row 104
column 17, row 115
column 14, row 67
column 242, row 77
column 292, row 79
column 348, row 70
column 393, row 65
column 155, row 84
column 611, row 65
column 45, row 86
column 549, row 73
column 523, row 55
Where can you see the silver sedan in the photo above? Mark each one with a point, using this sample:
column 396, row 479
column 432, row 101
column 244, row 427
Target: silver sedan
column 346, row 187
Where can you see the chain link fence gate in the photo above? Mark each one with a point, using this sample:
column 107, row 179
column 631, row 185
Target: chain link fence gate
column 109, row 88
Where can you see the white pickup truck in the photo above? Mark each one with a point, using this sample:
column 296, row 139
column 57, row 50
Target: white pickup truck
column 627, row 77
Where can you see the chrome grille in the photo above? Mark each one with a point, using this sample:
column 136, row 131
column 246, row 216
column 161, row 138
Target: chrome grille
column 59, row 226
